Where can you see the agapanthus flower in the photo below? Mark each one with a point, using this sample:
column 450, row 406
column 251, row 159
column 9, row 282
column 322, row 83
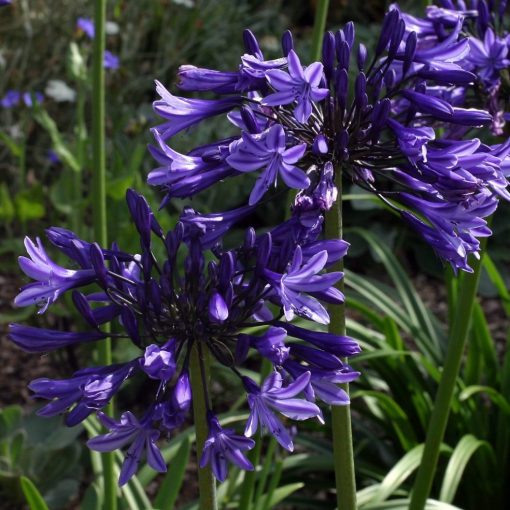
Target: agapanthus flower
column 484, row 27
column 299, row 124
column 167, row 308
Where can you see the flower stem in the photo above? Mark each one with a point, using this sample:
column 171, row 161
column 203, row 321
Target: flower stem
column 104, row 352
column 456, row 343
column 206, row 482
column 319, row 25
column 343, row 454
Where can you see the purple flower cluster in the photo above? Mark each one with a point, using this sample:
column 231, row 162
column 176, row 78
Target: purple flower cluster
column 390, row 129
column 483, row 29
column 166, row 308
column 299, row 123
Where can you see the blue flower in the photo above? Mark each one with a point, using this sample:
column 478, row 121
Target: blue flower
column 140, row 435
column 297, row 286
column 272, row 395
column 224, row 446
column 52, row 279
column 489, row 56
column 165, row 309
column 268, row 150
column 300, row 85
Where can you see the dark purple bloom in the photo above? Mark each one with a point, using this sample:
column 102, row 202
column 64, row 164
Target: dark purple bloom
column 304, row 122
column 488, row 57
column 166, row 309
column 183, row 113
column 300, row 85
column 52, row 279
column 301, row 282
column 140, row 435
column 90, row 389
column 273, row 396
column 33, row 339
column 159, row 362
column 268, row 150
column 224, row 446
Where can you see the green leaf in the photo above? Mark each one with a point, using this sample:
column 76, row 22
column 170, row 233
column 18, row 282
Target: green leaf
column 116, row 188
column 10, row 419
column 283, row 492
column 403, row 504
column 498, row 281
column 92, row 499
column 15, row 148
column 32, row 495
column 425, row 329
column 7, row 210
column 400, row 473
column 65, row 155
column 461, row 455
column 495, row 396
column 171, row 485
column 29, row 204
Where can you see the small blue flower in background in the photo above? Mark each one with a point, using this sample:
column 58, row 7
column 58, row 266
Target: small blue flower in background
column 86, row 25
column 111, row 61
column 15, row 98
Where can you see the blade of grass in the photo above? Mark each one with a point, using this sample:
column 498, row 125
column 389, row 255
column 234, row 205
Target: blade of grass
column 461, row 455
column 171, row 485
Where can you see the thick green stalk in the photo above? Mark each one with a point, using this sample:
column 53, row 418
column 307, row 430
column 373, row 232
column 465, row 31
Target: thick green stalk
column 104, row 353
column 199, row 371
column 439, row 419
column 319, row 25
column 341, row 415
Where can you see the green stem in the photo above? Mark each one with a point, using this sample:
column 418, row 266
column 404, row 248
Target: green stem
column 456, row 343
column 250, row 476
column 319, row 26
column 198, row 371
column 104, row 352
column 340, row 415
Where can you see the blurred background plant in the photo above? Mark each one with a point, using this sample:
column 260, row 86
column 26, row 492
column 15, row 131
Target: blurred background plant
column 398, row 307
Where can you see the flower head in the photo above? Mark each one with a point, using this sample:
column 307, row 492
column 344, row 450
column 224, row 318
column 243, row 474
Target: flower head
column 301, row 122
column 166, row 309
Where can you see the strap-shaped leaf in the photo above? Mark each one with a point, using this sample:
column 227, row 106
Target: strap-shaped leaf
column 461, row 455
column 32, row 495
